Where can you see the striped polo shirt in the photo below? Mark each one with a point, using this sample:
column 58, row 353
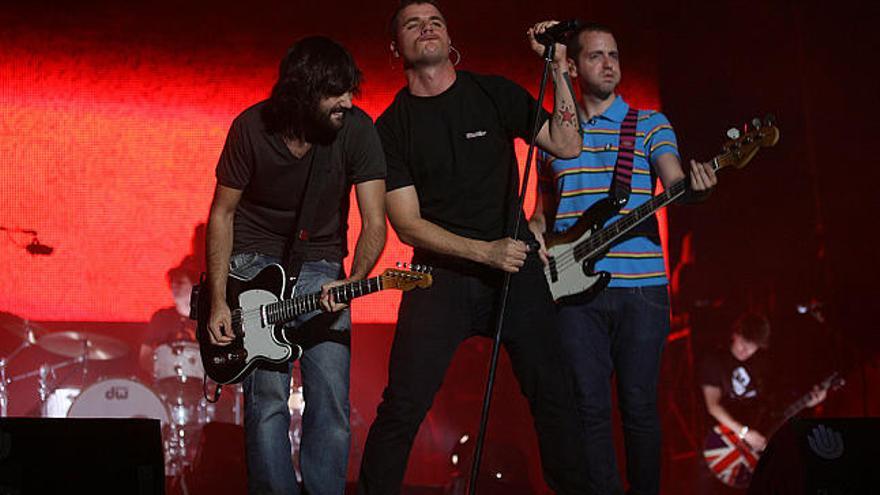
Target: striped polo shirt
column 579, row 182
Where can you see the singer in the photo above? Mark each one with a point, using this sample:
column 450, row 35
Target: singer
column 452, row 188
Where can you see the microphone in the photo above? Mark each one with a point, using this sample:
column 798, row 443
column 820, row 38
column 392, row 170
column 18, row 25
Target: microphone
column 35, row 248
column 557, row 32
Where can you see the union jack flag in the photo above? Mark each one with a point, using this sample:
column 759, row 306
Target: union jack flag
column 729, row 458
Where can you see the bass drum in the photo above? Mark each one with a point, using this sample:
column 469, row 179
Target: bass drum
column 118, row 398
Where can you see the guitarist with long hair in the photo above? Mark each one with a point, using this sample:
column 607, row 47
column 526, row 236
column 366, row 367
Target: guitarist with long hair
column 621, row 330
column 273, row 153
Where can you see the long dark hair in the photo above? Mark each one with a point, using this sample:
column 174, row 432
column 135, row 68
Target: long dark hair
column 315, row 67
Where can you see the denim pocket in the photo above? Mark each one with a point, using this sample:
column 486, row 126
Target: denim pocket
column 248, row 264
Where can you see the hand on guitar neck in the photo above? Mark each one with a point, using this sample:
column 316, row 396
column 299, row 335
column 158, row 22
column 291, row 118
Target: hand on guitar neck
column 816, row 396
column 702, row 179
column 328, row 302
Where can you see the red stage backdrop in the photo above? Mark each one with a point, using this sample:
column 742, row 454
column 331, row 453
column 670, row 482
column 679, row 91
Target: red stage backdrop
column 109, row 150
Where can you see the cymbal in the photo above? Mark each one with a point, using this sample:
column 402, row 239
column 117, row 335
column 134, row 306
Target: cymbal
column 74, row 344
column 22, row 329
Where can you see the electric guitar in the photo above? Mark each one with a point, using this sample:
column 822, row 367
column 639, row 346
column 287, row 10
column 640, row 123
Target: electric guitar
column 732, row 460
column 260, row 309
column 572, row 254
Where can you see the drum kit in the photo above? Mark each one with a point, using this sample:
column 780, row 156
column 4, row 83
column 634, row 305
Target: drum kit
column 175, row 397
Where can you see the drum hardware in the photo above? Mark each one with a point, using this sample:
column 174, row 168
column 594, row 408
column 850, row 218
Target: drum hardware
column 174, row 398
column 28, row 333
column 21, row 328
column 80, row 347
column 92, row 346
column 46, row 377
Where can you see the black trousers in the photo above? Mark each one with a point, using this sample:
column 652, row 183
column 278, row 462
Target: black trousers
column 464, row 302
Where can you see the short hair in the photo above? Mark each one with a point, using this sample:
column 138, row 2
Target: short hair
column 315, row 67
column 753, row 327
column 392, row 24
column 573, row 47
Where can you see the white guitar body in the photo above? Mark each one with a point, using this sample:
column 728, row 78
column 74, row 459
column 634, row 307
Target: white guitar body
column 259, row 337
column 566, row 280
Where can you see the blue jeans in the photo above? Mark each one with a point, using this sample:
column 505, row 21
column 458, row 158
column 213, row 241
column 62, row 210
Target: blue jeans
column 325, row 423
column 621, row 331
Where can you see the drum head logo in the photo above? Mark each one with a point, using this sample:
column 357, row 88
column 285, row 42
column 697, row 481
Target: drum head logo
column 116, row 393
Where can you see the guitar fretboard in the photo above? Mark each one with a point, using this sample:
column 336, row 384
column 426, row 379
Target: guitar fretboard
column 801, row 403
column 593, row 245
column 284, row 311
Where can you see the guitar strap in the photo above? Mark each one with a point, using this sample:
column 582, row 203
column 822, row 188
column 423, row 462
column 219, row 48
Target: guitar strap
column 295, row 251
column 621, row 184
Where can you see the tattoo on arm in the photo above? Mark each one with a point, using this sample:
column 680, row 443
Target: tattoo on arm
column 566, row 116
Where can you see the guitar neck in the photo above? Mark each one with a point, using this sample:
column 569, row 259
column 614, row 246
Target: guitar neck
column 287, row 310
column 599, row 242
column 801, row 404
column 796, row 407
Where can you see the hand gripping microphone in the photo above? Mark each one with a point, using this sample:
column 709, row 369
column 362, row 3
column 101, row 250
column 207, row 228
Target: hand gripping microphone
column 557, row 32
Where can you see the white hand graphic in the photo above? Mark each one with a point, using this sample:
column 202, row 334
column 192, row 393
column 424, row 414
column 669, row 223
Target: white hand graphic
column 826, row 443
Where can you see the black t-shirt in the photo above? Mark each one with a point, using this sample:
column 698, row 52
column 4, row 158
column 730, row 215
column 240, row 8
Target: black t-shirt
column 273, row 181
column 456, row 148
column 741, row 383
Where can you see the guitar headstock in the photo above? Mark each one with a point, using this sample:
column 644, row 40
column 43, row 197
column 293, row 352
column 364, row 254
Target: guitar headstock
column 744, row 144
column 407, row 277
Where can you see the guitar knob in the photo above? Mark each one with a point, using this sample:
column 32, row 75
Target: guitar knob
column 733, row 133
column 756, row 123
column 397, row 264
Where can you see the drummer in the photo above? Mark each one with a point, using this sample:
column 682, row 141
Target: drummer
column 171, row 324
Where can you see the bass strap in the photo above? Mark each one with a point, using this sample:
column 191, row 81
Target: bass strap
column 621, row 184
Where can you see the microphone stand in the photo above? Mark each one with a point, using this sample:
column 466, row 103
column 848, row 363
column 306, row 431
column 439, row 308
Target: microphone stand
column 549, row 51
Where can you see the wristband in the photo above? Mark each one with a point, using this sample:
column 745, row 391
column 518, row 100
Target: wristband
column 743, row 432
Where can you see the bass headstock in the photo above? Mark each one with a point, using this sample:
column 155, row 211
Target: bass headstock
column 742, row 145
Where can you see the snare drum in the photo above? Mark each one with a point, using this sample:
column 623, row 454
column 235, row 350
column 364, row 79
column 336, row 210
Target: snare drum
column 118, row 398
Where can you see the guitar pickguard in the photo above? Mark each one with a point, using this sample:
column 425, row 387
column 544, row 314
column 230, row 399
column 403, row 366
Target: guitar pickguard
column 567, row 280
column 259, row 338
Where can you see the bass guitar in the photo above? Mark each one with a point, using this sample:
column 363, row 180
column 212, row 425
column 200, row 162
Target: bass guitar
column 572, row 254
column 732, row 460
column 260, row 309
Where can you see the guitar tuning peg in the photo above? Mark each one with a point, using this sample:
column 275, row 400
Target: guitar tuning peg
column 756, row 123
column 733, row 133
